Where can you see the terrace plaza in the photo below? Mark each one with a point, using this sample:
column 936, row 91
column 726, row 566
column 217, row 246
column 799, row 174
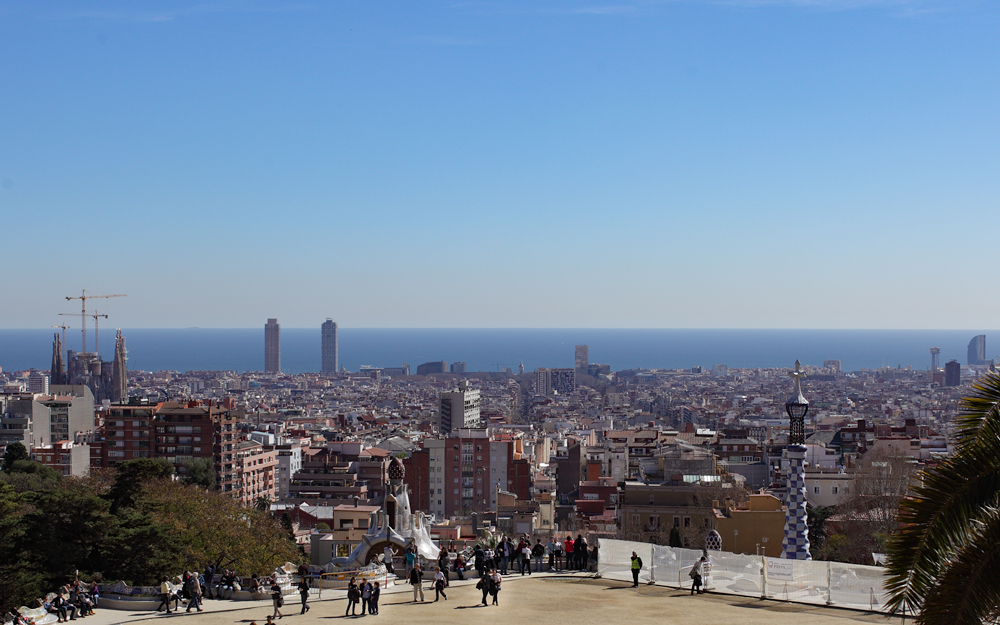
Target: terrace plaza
column 552, row 599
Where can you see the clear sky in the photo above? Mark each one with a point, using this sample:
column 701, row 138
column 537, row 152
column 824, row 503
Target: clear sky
column 730, row 164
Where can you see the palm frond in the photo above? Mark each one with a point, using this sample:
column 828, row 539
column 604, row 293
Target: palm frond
column 952, row 497
column 967, row 591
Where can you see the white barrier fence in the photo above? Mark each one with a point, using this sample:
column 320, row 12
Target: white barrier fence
column 802, row 581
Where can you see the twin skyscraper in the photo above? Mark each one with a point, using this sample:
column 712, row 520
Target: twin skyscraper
column 329, row 348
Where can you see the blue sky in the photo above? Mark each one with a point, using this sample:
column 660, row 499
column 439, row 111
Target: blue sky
column 730, row 164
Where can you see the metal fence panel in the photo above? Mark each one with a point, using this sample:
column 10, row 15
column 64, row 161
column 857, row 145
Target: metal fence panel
column 801, row 581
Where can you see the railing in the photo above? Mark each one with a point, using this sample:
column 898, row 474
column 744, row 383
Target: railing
column 802, row 581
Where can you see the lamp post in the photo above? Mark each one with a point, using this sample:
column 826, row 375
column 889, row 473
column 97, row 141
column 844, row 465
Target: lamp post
column 735, row 534
column 795, row 545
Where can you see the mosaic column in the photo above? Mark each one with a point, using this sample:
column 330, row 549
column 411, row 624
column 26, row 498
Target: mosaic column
column 795, row 544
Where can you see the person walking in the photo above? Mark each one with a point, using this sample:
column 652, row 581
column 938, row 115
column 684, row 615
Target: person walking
column 440, row 583
column 304, row 593
column 636, row 567
column 696, row 573
column 484, row 584
column 194, row 592
column 277, row 599
column 496, row 579
column 416, row 580
column 443, row 563
column 164, row 596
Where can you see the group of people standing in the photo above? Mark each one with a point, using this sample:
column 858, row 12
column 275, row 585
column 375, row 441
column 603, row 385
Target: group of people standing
column 367, row 593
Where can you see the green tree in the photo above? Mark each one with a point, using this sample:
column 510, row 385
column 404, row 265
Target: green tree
column 675, row 537
column 942, row 563
column 30, row 476
column 131, row 478
column 13, row 453
column 200, row 472
column 66, row 530
column 20, row 582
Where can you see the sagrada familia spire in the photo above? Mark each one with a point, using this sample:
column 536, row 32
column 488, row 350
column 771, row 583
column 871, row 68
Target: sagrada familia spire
column 57, row 375
column 119, row 379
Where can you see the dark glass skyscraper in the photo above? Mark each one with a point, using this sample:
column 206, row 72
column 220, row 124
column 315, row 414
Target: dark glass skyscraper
column 331, row 359
column 977, row 350
column 272, row 346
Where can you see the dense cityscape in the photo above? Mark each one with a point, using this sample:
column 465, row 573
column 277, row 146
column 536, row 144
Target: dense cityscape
column 654, row 455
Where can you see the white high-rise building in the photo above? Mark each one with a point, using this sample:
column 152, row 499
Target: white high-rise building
column 458, row 409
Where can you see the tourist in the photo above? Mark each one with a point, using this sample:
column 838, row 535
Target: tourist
column 95, row 593
column 440, row 582
column 478, row 554
column 696, row 573
column 495, row 580
column 568, row 550
column 503, row 550
column 304, row 593
column 459, row 566
column 276, row 598
column 353, row 595
column 164, row 596
column 525, row 558
column 636, row 567
column 582, row 552
column 559, row 553
column 443, row 563
column 550, row 549
column 226, row 583
column 373, row 604
column 416, row 580
column 484, row 584
column 537, row 552
column 489, row 559
column 387, row 555
column 194, row 592
column 209, row 581
column 366, row 597
column 50, row 609
column 410, row 558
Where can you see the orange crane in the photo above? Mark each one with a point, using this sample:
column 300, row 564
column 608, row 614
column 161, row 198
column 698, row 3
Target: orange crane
column 83, row 310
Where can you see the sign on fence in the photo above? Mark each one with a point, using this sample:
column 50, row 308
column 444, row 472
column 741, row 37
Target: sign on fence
column 780, row 570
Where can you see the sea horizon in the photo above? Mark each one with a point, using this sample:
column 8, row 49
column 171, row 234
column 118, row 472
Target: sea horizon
column 493, row 349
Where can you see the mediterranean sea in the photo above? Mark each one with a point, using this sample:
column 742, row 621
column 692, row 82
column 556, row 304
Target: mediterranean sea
column 494, row 349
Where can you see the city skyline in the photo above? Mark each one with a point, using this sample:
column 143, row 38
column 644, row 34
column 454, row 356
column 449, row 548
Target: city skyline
column 711, row 158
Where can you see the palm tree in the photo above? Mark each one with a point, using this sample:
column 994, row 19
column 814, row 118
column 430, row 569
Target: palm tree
column 943, row 563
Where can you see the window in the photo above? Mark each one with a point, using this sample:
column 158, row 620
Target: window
column 834, row 490
column 687, row 521
column 815, row 490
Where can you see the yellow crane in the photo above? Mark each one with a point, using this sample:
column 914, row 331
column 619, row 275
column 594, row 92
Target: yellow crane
column 83, row 297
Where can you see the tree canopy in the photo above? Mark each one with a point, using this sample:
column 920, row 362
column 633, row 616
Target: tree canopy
column 135, row 525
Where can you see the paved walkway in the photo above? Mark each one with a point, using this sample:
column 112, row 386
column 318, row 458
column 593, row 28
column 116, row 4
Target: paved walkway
column 555, row 599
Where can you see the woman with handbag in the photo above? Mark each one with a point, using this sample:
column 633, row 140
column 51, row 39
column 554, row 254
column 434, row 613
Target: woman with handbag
column 276, row 598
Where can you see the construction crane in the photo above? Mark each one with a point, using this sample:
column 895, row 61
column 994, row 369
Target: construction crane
column 96, row 316
column 83, row 297
column 64, row 328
